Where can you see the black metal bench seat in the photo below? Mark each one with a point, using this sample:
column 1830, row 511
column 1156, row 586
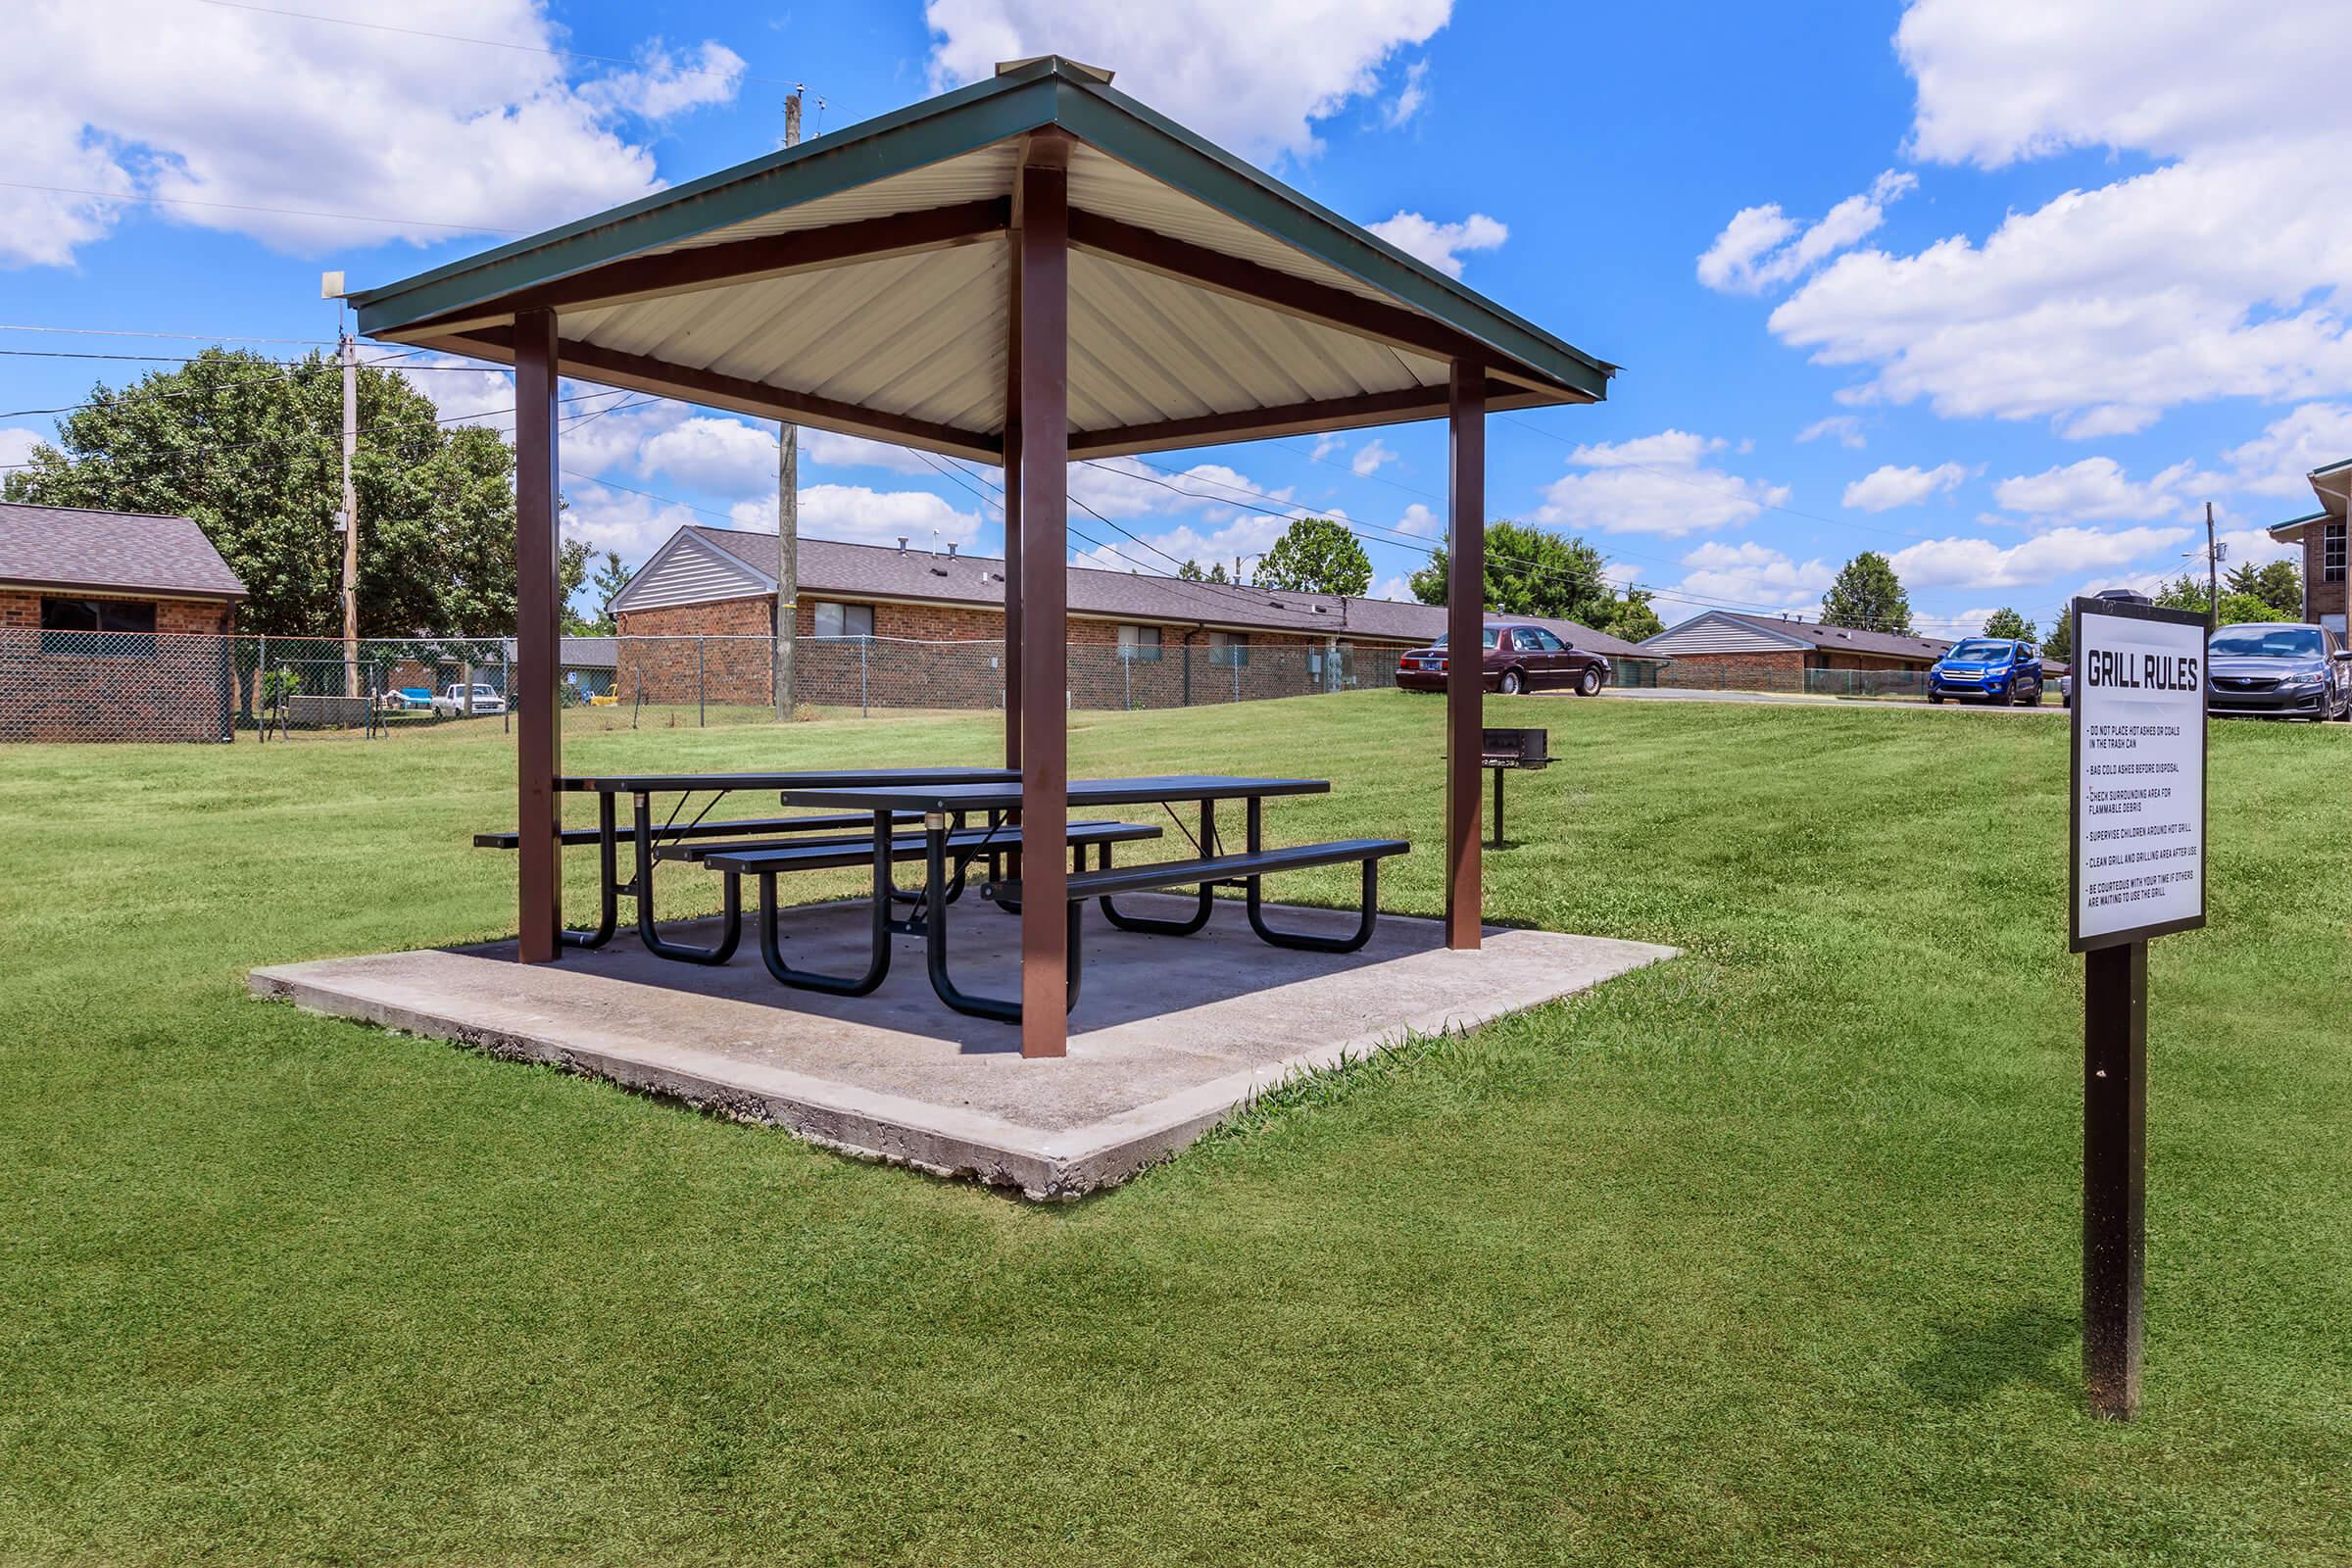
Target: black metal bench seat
column 945, row 884
column 1243, row 871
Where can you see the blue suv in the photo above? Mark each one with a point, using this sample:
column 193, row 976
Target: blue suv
column 1993, row 670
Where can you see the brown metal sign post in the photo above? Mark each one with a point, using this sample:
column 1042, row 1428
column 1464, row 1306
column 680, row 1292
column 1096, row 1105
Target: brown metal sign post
column 2137, row 814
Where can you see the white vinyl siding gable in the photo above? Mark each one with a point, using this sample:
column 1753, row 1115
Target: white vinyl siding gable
column 1720, row 634
column 689, row 571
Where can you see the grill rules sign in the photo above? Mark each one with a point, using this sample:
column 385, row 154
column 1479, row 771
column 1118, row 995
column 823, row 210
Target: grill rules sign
column 2138, row 772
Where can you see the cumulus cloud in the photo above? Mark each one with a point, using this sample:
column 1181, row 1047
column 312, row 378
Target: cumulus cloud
column 2097, row 489
column 719, row 455
column 858, row 451
column 1658, row 484
column 1441, row 245
column 1762, row 246
column 1983, row 563
column 1369, row 457
column 1256, row 77
column 1751, row 573
column 17, row 444
column 247, row 111
column 1410, row 98
column 623, row 520
column 1887, row 487
column 2223, row 272
column 2277, row 461
column 1129, row 487
column 1845, row 427
column 1419, row 519
column 861, row 515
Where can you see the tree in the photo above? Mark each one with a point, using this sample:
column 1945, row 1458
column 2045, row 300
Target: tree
column 251, row 450
column 1532, row 571
column 1317, row 555
column 1190, row 572
column 2007, row 622
column 2060, row 643
column 2186, row 592
column 1868, row 597
column 571, row 574
column 2278, row 584
column 611, row 578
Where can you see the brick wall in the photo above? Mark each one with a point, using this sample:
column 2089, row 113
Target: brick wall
column 2320, row 596
column 178, row 685
column 1779, row 670
column 945, row 656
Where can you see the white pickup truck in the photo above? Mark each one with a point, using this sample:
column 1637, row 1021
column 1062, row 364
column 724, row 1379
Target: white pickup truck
column 487, row 699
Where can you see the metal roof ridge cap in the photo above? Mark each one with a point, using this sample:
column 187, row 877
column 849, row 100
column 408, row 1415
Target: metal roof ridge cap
column 1345, row 228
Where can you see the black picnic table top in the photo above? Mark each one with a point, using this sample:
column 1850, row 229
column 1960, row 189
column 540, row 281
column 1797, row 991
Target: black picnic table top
column 1005, row 793
column 817, row 778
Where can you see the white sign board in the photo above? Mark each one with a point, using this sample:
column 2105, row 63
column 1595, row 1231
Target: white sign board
column 2138, row 772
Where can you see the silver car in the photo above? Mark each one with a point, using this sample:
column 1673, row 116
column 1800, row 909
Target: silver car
column 2277, row 669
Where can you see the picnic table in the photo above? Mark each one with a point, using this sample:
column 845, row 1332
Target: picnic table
column 948, row 848
column 650, row 838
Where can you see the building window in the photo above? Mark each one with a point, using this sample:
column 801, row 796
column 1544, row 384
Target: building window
column 2331, row 552
column 1228, row 648
column 114, row 629
column 843, row 621
column 1140, row 643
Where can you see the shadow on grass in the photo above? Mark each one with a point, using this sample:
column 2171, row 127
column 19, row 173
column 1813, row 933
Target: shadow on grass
column 2018, row 1345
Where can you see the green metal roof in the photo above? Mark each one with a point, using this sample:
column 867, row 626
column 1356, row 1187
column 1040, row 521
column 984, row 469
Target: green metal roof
column 1037, row 95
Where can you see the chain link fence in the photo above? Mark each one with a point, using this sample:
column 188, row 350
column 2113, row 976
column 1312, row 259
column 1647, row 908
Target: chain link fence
column 113, row 686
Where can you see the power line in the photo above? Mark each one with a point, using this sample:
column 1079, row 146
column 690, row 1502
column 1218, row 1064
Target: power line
column 190, row 337
column 289, row 366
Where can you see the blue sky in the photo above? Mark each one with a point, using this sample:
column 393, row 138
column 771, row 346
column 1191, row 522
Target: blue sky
column 2006, row 292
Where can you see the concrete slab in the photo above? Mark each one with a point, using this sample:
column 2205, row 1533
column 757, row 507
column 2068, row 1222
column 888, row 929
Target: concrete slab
column 1171, row 1036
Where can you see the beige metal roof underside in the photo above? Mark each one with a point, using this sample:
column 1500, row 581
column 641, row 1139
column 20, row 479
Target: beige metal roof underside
column 924, row 335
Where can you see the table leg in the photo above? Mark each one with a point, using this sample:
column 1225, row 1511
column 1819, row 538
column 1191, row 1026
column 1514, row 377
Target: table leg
column 935, row 937
column 608, row 872
column 877, row 964
column 730, row 907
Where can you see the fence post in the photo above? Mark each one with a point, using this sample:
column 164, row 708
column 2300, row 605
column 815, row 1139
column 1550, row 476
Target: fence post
column 506, row 689
column 261, row 699
column 865, row 648
column 638, row 707
column 1127, row 684
column 701, row 718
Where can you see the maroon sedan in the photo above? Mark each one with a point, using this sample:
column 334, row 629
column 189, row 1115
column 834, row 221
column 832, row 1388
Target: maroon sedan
column 1518, row 659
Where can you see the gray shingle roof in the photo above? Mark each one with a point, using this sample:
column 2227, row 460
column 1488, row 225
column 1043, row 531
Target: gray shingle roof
column 69, row 547
column 878, row 571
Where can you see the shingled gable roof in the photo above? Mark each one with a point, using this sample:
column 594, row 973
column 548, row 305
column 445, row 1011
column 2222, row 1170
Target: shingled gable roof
column 1812, row 634
column 122, row 552
column 880, row 572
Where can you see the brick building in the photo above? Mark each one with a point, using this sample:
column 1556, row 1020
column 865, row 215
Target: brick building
column 113, row 627
column 2321, row 537
column 1771, row 653
column 914, row 628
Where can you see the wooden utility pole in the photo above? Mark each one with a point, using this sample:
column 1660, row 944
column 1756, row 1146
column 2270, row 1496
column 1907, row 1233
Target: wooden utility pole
column 788, row 511
column 346, row 351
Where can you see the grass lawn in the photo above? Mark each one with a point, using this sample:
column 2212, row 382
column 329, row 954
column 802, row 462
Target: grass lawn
column 1768, row 1255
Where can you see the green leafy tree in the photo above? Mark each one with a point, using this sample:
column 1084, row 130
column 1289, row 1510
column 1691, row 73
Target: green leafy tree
column 1867, row 596
column 1190, row 572
column 571, row 576
column 611, row 578
column 2277, row 583
column 1317, row 555
column 2187, row 592
column 2060, row 643
column 1532, row 571
column 251, row 449
column 2183, row 592
column 2007, row 622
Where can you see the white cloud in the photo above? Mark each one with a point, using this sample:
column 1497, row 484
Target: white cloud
column 1419, row 519
column 1887, row 487
column 2277, row 461
column 1129, row 487
column 2224, row 272
column 249, row 111
column 1397, row 588
column 1440, row 244
column 1847, row 428
column 718, row 456
column 1656, row 484
column 620, row 520
column 863, row 516
column 1245, row 535
column 1756, row 251
column 1983, row 564
column 17, row 444
column 1410, row 98
column 2097, row 489
column 1253, row 77
column 1751, row 573
column 1369, row 457
column 2254, row 546
column 464, row 391
column 857, row 451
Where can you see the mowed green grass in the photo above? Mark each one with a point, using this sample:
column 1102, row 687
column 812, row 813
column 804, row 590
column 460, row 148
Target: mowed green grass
column 1767, row 1254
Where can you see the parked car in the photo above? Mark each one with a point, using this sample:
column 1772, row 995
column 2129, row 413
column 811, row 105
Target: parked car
column 1518, row 659
column 486, row 700
column 1991, row 669
column 2277, row 669
column 410, row 699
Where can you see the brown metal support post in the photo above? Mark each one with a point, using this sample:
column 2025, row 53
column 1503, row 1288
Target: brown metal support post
column 1042, row 349
column 2115, row 1114
column 1012, row 518
column 537, row 609
column 1465, row 665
